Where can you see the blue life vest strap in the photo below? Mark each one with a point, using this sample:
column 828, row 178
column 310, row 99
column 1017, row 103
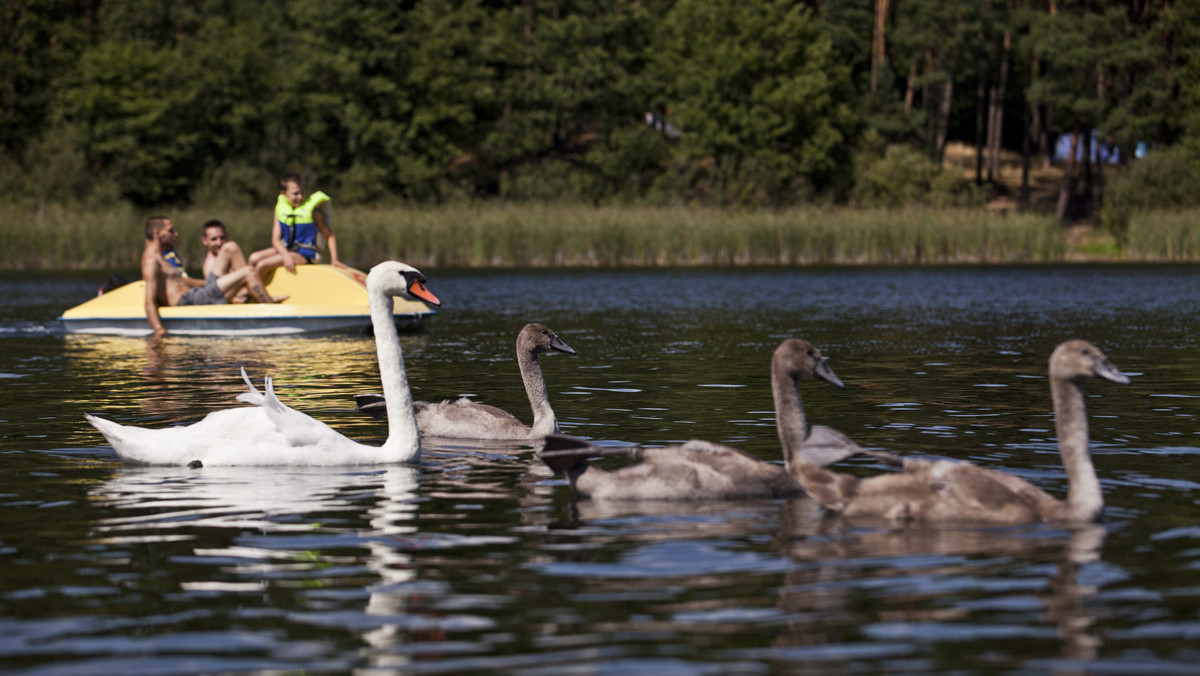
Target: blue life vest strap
column 175, row 261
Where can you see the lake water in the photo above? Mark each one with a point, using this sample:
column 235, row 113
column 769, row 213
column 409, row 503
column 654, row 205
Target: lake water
column 479, row 560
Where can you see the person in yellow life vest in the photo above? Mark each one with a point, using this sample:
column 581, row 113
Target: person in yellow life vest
column 294, row 228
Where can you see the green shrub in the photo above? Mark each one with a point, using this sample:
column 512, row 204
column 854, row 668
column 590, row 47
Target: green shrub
column 364, row 183
column 902, row 176
column 53, row 170
column 1164, row 179
column 951, row 189
column 235, row 184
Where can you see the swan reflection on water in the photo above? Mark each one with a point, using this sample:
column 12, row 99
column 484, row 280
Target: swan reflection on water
column 253, row 528
column 889, row 588
column 936, row 579
column 265, row 500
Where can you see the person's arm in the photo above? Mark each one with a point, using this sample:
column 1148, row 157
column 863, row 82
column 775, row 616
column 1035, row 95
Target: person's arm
column 330, row 239
column 150, row 276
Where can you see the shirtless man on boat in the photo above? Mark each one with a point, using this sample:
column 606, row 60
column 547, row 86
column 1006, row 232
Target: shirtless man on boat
column 167, row 283
column 224, row 255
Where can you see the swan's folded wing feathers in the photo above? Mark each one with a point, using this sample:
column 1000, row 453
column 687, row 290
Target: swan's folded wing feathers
column 462, row 411
column 177, row 445
column 709, row 449
column 298, row 429
column 986, row 491
column 832, row 489
column 703, row 469
column 467, row 419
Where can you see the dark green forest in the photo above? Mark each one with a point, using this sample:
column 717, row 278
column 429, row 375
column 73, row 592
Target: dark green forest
column 646, row 102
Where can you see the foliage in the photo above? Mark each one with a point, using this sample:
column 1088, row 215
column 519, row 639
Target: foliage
column 902, row 176
column 755, row 87
column 1183, row 21
column 42, row 40
column 1165, row 179
column 437, row 101
column 1105, row 68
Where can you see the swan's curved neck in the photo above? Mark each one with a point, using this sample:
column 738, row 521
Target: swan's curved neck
column 544, row 421
column 403, row 442
column 1085, row 500
column 789, row 416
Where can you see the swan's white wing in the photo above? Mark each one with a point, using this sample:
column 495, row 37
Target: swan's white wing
column 295, row 428
column 253, row 397
column 235, row 431
column 298, row 429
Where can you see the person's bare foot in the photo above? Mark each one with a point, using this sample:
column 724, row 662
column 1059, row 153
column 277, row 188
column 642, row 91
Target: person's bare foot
column 279, row 299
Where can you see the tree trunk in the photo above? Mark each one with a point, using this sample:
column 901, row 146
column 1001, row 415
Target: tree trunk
column 981, row 106
column 877, row 42
column 909, row 90
column 89, row 22
column 1067, row 188
column 996, row 113
column 1085, row 185
column 181, row 8
column 1046, row 142
column 927, row 101
column 943, row 118
column 1096, row 179
column 1026, row 150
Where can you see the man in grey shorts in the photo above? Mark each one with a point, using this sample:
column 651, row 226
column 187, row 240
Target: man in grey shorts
column 209, row 294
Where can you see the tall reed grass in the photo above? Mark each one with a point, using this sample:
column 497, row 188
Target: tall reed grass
column 1163, row 236
column 558, row 235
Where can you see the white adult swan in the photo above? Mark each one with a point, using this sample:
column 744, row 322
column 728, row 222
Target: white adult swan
column 270, row 433
column 702, row 469
column 945, row 490
column 467, row 419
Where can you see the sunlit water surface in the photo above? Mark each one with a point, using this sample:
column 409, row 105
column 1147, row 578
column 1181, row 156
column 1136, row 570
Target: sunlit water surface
column 478, row 559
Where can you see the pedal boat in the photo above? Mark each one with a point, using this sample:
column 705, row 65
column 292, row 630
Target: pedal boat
column 320, row 298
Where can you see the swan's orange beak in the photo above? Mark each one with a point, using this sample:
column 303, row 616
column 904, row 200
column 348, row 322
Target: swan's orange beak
column 419, row 290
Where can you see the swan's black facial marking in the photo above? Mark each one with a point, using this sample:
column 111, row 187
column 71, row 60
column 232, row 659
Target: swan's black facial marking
column 414, row 281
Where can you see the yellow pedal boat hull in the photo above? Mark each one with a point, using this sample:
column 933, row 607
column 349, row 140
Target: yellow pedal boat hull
column 320, row 298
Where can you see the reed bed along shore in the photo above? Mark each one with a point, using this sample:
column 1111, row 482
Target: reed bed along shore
column 60, row 238
column 1162, row 236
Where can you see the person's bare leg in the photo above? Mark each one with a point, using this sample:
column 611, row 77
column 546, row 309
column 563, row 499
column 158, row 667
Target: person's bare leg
column 229, row 258
column 258, row 256
column 246, row 277
column 267, row 263
column 257, row 289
